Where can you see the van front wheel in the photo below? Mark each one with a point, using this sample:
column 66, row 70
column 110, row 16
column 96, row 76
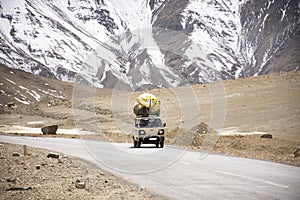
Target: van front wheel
column 139, row 144
column 135, row 143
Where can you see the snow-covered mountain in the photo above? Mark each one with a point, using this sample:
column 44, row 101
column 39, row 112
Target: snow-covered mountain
column 149, row 43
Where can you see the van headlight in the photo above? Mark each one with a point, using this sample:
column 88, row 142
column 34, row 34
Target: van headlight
column 142, row 132
column 161, row 132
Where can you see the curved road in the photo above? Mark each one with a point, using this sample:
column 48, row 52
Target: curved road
column 181, row 174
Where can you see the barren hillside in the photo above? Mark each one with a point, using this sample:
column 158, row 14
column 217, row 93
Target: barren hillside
column 252, row 106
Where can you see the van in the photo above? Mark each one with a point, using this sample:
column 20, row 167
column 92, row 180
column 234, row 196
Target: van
column 149, row 130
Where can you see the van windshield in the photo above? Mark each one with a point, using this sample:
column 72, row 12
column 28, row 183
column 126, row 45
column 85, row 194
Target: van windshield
column 155, row 122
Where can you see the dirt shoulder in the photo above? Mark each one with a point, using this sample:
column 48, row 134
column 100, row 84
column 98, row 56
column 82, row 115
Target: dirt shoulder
column 36, row 176
column 253, row 146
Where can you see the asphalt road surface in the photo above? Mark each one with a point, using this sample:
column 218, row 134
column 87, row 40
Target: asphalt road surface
column 181, row 174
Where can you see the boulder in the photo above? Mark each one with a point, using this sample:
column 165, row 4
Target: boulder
column 11, row 180
column 10, row 104
column 80, row 184
column 18, row 188
column 202, row 128
column 267, row 135
column 52, row 155
column 51, row 130
column 15, row 154
column 297, row 152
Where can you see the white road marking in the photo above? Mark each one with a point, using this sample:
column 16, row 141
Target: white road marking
column 253, row 179
column 271, row 183
column 184, row 162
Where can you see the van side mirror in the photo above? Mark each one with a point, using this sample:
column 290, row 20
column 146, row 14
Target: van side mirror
column 164, row 124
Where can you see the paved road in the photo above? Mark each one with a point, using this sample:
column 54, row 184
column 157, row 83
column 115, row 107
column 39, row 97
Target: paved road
column 182, row 174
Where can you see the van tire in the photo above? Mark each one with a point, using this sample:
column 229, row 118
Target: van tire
column 157, row 144
column 162, row 144
column 139, row 144
column 135, row 143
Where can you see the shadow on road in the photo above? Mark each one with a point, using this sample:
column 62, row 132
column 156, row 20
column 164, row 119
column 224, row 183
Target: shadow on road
column 143, row 147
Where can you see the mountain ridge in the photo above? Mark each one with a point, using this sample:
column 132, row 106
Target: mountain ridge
column 158, row 42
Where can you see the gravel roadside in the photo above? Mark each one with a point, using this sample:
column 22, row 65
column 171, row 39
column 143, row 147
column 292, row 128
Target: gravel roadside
column 39, row 175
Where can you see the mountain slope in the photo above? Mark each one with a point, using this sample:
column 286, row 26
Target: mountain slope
column 24, row 88
column 155, row 43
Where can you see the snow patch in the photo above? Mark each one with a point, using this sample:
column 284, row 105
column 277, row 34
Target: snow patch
column 264, row 20
column 22, row 101
column 24, row 130
column 35, row 122
column 22, row 87
column 53, row 95
column 283, row 10
column 235, row 131
column 34, row 94
column 10, row 81
column 234, row 95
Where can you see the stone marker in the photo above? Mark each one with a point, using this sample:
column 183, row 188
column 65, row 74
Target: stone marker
column 51, row 130
column 25, row 150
